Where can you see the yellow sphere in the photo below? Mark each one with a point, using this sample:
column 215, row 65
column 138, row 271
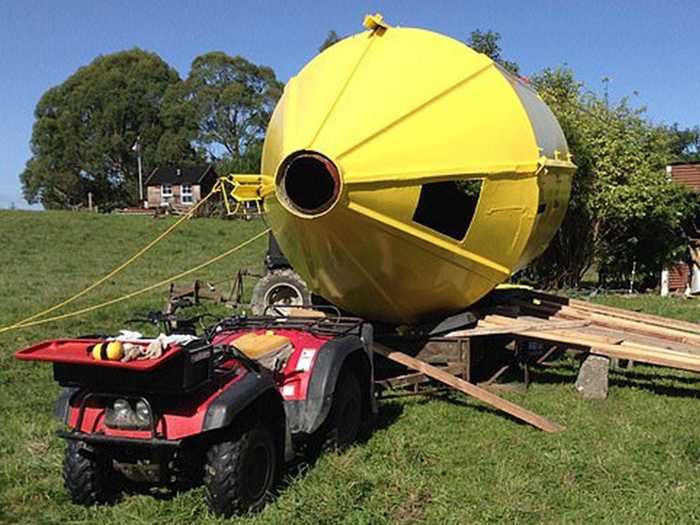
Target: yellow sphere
column 110, row 351
column 412, row 174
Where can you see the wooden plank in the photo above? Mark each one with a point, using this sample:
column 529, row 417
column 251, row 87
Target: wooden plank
column 642, row 354
column 630, row 327
column 469, row 389
column 628, row 314
column 482, row 329
column 556, row 301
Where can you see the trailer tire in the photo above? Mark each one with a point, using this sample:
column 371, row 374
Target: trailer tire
column 281, row 287
column 240, row 474
column 342, row 426
column 88, row 475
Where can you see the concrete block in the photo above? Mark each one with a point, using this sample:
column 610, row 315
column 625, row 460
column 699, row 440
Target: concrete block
column 592, row 380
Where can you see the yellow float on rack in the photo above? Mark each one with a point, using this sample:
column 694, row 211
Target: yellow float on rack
column 406, row 175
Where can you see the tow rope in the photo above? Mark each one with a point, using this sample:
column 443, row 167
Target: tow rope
column 33, row 320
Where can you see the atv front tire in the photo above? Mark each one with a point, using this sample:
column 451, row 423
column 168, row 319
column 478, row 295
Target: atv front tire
column 88, row 474
column 240, row 474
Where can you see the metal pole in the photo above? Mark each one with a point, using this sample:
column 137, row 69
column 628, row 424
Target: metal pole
column 140, row 177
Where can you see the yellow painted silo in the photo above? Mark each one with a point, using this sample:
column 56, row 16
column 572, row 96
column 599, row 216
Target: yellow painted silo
column 407, row 175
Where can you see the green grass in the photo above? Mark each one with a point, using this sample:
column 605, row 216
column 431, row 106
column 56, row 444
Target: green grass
column 634, row 458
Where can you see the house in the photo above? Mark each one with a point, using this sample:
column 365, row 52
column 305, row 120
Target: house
column 678, row 277
column 179, row 187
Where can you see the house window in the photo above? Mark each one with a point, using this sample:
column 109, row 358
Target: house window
column 186, row 194
column 166, row 190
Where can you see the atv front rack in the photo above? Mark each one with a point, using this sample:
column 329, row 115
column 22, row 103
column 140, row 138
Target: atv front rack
column 336, row 326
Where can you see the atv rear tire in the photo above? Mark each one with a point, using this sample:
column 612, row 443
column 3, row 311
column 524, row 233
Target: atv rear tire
column 240, row 474
column 88, row 474
column 342, row 426
column 283, row 288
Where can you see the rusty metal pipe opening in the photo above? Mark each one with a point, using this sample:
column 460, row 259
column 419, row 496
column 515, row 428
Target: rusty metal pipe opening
column 308, row 183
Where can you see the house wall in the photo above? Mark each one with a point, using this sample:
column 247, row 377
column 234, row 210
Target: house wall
column 686, row 174
column 155, row 198
column 678, row 277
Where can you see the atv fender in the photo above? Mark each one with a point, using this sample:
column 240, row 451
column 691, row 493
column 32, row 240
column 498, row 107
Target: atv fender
column 240, row 395
column 61, row 408
column 235, row 398
column 308, row 415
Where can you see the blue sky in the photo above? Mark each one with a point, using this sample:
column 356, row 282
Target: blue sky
column 652, row 47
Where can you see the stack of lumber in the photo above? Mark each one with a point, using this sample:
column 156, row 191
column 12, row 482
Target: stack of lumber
column 603, row 330
column 566, row 324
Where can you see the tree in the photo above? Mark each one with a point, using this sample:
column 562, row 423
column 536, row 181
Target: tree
column 331, row 38
column 85, row 130
column 488, row 43
column 229, row 100
column 623, row 210
column 685, row 143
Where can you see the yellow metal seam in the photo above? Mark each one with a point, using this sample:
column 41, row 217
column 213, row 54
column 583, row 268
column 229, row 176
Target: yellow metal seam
column 341, row 92
column 415, row 110
column 412, row 233
column 411, row 178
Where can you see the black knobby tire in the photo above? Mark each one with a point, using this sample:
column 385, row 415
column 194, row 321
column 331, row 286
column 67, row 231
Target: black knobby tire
column 240, row 474
column 286, row 286
column 342, row 426
column 88, row 474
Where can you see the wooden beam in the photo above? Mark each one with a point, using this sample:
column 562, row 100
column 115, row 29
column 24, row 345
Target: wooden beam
column 634, row 351
column 554, row 301
column 482, row 329
column 469, row 389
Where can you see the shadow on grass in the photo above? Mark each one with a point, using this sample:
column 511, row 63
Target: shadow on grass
column 650, row 381
column 388, row 413
column 293, row 472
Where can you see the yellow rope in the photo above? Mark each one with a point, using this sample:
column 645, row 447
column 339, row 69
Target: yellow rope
column 115, row 271
column 142, row 290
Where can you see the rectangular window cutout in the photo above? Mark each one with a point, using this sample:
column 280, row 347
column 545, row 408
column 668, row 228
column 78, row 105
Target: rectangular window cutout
column 448, row 207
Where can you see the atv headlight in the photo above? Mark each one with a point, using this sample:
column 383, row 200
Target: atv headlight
column 143, row 413
column 122, row 415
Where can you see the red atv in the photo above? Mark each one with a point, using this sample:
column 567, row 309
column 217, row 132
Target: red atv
column 206, row 410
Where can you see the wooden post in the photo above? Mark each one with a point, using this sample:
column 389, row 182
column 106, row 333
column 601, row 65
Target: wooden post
column 469, row 389
column 90, row 200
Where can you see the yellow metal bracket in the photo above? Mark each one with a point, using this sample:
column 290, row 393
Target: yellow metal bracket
column 375, row 23
column 240, row 188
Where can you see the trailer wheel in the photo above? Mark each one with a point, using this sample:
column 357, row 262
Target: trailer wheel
column 342, row 426
column 240, row 474
column 281, row 289
column 88, row 474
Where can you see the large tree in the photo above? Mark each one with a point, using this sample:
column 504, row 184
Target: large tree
column 229, row 100
column 86, row 128
column 488, row 43
column 624, row 213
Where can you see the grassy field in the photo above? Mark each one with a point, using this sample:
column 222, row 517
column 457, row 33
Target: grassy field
column 634, row 458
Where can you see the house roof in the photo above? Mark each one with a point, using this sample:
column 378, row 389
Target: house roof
column 179, row 174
